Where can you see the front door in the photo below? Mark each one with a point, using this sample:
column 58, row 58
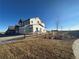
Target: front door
column 36, row 29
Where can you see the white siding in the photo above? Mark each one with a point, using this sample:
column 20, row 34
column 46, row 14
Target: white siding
column 36, row 22
column 39, row 27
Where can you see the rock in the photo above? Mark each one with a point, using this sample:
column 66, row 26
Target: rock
column 75, row 48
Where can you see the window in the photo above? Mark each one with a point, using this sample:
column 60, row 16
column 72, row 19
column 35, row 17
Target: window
column 38, row 21
column 31, row 21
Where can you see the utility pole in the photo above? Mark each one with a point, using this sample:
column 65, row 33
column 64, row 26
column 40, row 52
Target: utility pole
column 57, row 24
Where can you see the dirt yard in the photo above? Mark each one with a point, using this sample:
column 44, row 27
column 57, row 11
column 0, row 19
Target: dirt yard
column 37, row 48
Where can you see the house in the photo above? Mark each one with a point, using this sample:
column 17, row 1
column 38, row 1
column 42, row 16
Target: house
column 32, row 25
column 12, row 30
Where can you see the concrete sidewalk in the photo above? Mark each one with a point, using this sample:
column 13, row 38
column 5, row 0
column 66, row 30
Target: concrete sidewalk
column 10, row 37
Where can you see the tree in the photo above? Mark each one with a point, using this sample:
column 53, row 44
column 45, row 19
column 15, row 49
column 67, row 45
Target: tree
column 57, row 24
column 57, row 34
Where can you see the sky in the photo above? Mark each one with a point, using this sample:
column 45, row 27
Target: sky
column 66, row 11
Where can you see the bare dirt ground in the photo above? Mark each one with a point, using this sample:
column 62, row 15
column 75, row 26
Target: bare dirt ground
column 37, row 48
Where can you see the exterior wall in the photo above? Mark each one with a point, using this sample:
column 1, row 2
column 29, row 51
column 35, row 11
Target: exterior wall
column 40, row 29
column 26, row 29
column 21, row 30
column 36, row 22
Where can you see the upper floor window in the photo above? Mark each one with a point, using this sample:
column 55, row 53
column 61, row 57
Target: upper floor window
column 38, row 21
column 31, row 21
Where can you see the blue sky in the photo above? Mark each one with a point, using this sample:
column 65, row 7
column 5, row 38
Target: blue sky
column 67, row 11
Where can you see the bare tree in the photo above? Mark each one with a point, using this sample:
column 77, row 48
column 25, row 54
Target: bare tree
column 57, row 28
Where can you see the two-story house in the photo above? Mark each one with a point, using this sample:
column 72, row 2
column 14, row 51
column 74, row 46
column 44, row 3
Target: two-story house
column 32, row 25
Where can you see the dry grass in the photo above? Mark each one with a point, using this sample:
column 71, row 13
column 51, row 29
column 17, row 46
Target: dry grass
column 37, row 49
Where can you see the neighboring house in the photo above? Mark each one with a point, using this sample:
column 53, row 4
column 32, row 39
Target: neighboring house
column 32, row 25
column 12, row 30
